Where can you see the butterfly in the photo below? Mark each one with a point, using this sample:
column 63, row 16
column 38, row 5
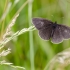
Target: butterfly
column 51, row 30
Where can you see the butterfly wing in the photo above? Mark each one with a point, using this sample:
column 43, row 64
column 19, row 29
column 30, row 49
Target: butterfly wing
column 44, row 26
column 45, row 33
column 40, row 23
column 65, row 30
column 57, row 36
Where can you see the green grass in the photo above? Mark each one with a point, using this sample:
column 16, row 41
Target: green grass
column 27, row 49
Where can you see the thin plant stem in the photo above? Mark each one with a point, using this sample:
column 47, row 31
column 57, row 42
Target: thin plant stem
column 21, row 8
column 4, row 19
column 31, row 35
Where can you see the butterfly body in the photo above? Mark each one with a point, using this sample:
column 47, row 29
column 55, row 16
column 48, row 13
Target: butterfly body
column 48, row 29
column 54, row 25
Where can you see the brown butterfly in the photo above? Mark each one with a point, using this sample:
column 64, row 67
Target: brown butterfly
column 51, row 30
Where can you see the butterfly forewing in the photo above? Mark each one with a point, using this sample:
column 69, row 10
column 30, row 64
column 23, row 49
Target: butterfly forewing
column 65, row 30
column 57, row 36
column 41, row 23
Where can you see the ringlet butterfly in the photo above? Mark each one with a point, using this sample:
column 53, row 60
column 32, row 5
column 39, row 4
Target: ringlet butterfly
column 51, row 30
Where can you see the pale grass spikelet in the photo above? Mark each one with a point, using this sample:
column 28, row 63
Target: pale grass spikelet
column 4, row 62
column 60, row 61
column 6, row 40
column 62, row 56
column 8, row 31
column 5, row 52
column 11, row 65
column 8, row 35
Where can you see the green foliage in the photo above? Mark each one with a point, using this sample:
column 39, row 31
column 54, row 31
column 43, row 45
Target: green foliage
column 28, row 50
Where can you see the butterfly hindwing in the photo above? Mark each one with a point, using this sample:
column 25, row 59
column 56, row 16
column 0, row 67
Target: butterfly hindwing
column 45, row 33
column 65, row 30
column 57, row 36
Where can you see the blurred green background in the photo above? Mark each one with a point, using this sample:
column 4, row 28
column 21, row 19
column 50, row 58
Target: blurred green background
column 29, row 50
